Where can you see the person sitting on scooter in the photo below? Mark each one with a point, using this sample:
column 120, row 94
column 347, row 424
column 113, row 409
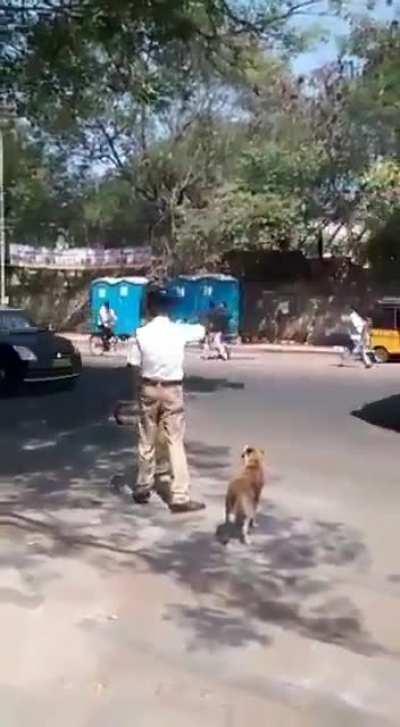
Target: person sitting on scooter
column 107, row 321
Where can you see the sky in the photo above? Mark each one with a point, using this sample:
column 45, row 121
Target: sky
column 336, row 29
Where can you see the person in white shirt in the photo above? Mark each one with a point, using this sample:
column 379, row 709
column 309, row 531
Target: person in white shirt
column 160, row 357
column 107, row 320
column 360, row 334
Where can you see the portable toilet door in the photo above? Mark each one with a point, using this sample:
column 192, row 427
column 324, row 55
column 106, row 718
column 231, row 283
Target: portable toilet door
column 101, row 291
column 184, row 291
column 130, row 297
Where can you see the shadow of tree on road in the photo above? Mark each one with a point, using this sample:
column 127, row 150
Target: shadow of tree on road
column 285, row 579
column 202, row 385
column 51, row 443
column 58, row 455
column 384, row 413
column 213, row 627
column 278, row 581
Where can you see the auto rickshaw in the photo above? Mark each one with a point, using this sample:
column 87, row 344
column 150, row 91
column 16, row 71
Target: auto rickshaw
column 385, row 334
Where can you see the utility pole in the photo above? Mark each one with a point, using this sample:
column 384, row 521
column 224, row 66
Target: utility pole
column 3, row 299
column 7, row 112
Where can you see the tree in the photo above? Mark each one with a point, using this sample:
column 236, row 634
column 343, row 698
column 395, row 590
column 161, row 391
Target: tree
column 375, row 100
column 37, row 202
column 90, row 73
column 126, row 100
column 374, row 105
column 381, row 212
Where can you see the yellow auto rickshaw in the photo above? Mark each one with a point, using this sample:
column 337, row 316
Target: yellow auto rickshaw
column 385, row 334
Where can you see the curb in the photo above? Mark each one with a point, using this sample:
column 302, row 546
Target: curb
column 81, row 340
column 286, row 348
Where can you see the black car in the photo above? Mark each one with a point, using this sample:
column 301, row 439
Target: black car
column 29, row 353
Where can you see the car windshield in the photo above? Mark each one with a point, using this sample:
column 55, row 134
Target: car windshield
column 16, row 321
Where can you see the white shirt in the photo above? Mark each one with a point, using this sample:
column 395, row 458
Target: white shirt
column 357, row 322
column 160, row 348
column 107, row 316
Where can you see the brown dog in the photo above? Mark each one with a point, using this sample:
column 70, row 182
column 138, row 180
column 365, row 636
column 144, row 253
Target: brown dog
column 244, row 492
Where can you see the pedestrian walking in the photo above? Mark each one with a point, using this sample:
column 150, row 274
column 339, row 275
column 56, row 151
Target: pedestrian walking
column 160, row 356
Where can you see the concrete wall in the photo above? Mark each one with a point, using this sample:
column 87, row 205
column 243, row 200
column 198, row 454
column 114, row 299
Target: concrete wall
column 302, row 310
column 56, row 297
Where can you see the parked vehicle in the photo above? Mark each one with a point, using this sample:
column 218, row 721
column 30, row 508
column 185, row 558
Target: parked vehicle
column 29, row 353
column 385, row 336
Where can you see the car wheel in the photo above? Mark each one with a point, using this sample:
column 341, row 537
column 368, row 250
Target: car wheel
column 11, row 375
column 381, row 354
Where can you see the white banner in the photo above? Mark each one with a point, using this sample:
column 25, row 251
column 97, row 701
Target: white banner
column 79, row 258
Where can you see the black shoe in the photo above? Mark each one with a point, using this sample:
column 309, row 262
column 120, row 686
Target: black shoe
column 141, row 498
column 190, row 506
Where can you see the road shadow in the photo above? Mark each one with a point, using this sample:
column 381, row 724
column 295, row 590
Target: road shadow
column 202, row 385
column 285, row 579
column 53, row 443
column 58, row 456
column 59, row 453
column 52, row 440
column 383, row 413
column 213, row 627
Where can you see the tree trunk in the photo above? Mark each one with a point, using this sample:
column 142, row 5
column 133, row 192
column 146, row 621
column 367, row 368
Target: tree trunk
column 320, row 244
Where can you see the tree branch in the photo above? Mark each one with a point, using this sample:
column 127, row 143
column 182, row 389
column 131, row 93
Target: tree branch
column 261, row 26
column 111, row 144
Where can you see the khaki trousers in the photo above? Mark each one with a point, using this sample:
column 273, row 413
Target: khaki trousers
column 161, row 448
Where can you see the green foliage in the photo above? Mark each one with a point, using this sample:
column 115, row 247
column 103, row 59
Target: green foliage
column 280, row 169
column 375, row 101
column 181, row 125
column 31, row 204
column 384, row 247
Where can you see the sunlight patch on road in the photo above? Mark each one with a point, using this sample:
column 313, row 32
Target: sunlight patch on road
column 35, row 444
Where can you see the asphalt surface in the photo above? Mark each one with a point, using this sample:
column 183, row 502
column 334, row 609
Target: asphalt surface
column 113, row 615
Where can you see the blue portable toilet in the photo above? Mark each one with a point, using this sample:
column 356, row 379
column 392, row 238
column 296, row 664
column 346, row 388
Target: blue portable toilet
column 216, row 289
column 100, row 292
column 126, row 297
column 195, row 293
column 184, row 290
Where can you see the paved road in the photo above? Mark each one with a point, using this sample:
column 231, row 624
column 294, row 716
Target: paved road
column 113, row 615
